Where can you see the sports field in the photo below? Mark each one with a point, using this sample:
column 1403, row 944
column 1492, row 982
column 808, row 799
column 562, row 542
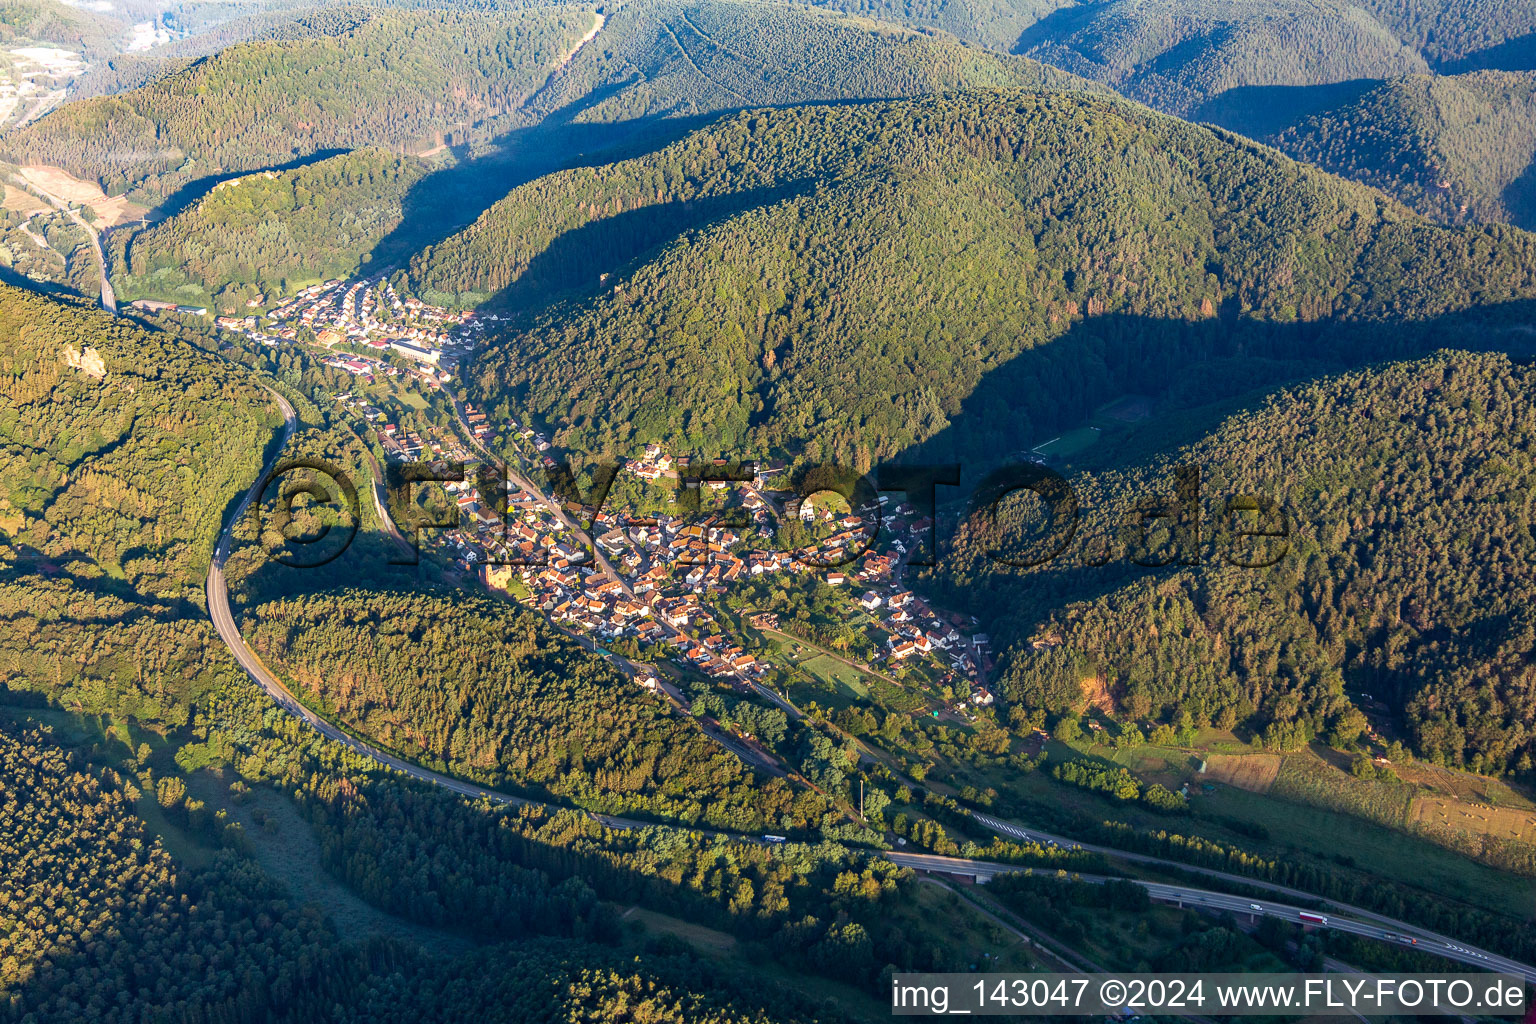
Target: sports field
column 1073, row 442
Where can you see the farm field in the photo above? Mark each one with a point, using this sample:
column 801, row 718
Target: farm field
column 1226, row 811
column 109, row 210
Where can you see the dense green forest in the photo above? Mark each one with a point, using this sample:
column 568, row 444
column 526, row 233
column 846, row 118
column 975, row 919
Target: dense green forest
column 1445, row 33
column 1457, row 148
column 490, row 691
column 964, row 272
column 1177, row 55
column 1253, row 67
column 658, row 61
column 678, row 58
column 268, row 232
column 995, row 24
column 1405, row 576
column 954, row 277
column 390, row 78
column 99, row 922
column 121, row 448
column 231, row 112
column 1451, row 33
column 24, row 22
column 360, row 209
column 84, row 884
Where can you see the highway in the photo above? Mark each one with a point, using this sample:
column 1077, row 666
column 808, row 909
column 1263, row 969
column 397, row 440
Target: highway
column 1386, row 925
column 1352, row 920
column 1346, row 919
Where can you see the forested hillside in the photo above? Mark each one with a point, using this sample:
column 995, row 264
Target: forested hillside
column 1406, row 575
column 841, row 281
column 489, row 691
column 994, row 24
column 120, row 451
column 321, row 85
column 266, row 232
column 85, row 885
column 652, row 63
column 386, row 78
column 1452, row 33
column 671, row 58
column 104, row 921
column 101, row 923
column 121, row 447
column 1457, row 148
column 49, row 21
column 1176, row 55
column 1446, row 33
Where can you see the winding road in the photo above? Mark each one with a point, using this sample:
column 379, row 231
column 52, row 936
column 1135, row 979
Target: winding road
column 1352, row 920
column 224, row 622
column 108, row 296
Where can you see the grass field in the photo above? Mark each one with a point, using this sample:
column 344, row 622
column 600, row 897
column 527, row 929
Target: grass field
column 833, row 684
column 1309, row 780
column 1468, row 788
column 21, row 201
column 716, row 945
column 1155, row 764
column 406, row 396
column 1438, row 815
column 284, row 844
column 1070, row 444
column 1383, row 851
column 843, row 677
column 1254, row 772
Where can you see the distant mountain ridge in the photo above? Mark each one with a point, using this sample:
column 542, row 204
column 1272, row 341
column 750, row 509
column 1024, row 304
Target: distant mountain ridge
column 391, row 78
column 1459, row 148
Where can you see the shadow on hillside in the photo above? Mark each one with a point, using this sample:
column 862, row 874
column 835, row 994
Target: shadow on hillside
column 449, row 200
column 1518, row 54
column 1195, row 369
column 57, row 289
column 368, row 561
column 193, row 191
column 1060, row 23
column 576, row 262
column 1520, row 199
column 1201, row 373
column 1261, row 110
